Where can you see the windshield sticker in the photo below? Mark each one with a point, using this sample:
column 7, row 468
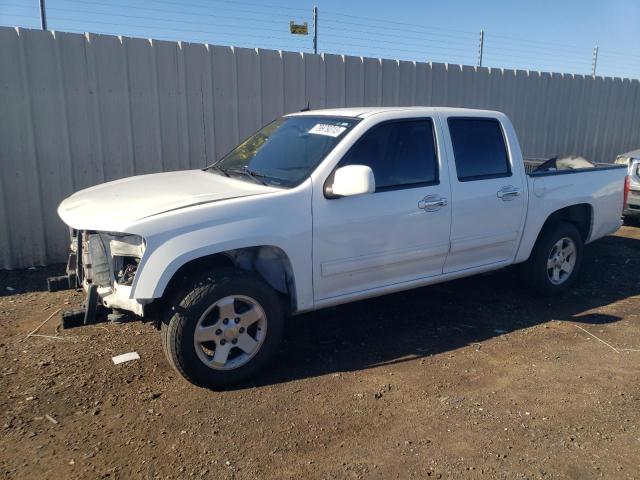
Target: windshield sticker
column 325, row 129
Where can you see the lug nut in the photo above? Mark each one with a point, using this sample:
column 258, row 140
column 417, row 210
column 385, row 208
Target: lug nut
column 234, row 341
column 223, row 341
column 218, row 332
column 241, row 330
column 225, row 321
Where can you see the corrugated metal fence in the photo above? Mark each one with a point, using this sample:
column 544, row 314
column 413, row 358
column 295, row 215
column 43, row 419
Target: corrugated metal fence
column 77, row 110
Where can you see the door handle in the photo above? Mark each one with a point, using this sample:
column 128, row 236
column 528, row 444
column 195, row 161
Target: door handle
column 431, row 203
column 508, row 193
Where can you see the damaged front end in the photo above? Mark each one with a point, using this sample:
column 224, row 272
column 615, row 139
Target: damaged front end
column 104, row 264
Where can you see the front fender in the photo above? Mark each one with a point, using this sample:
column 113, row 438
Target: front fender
column 287, row 227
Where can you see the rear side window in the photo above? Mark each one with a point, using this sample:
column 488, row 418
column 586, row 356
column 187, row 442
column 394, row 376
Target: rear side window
column 478, row 148
column 402, row 154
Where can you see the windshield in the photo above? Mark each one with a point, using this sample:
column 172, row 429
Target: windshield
column 286, row 151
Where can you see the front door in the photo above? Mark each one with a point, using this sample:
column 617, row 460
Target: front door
column 399, row 233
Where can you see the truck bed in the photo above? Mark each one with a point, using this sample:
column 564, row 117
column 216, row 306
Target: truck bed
column 532, row 165
column 598, row 188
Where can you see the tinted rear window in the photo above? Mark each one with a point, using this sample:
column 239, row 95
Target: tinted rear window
column 478, row 148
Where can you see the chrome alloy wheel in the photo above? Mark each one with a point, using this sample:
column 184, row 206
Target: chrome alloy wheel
column 562, row 261
column 230, row 332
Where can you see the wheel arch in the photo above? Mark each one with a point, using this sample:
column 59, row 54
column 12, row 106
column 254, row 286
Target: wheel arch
column 579, row 214
column 270, row 262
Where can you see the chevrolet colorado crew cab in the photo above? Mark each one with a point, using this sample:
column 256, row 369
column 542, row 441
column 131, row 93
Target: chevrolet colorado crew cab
column 324, row 207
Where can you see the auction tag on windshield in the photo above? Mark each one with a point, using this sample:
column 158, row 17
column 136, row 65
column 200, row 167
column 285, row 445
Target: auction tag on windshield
column 329, row 130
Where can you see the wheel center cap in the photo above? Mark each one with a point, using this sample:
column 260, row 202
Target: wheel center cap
column 230, row 333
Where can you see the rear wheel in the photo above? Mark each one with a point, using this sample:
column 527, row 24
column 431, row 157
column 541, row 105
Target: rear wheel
column 224, row 329
column 555, row 261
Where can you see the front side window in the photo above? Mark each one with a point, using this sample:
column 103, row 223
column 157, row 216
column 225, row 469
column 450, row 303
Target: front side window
column 402, row 154
column 286, row 151
column 478, row 148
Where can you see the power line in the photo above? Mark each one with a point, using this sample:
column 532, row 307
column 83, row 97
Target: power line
column 23, row 16
column 540, row 66
column 360, row 53
column 489, row 40
column 394, row 49
column 182, row 5
column 534, row 64
column 633, row 63
column 198, row 40
column 386, row 21
column 391, row 28
column 261, row 5
column 341, row 48
column 180, row 30
column 341, row 33
column 188, row 22
column 374, row 31
column 522, row 40
column 620, row 55
column 525, row 51
column 387, row 42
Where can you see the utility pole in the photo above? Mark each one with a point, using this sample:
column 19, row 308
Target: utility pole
column 594, row 61
column 43, row 15
column 315, row 29
column 480, row 48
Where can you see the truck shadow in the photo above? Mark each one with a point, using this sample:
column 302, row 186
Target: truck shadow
column 431, row 320
column 440, row 318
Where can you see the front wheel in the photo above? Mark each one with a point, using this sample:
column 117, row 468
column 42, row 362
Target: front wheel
column 555, row 261
column 224, row 329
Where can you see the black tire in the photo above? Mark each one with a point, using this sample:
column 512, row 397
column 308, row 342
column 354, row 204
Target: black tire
column 534, row 271
column 189, row 304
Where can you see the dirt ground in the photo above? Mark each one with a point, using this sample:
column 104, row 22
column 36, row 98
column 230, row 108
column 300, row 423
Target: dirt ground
column 473, row 378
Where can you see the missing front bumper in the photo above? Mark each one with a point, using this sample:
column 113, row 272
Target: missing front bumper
column 107, row 263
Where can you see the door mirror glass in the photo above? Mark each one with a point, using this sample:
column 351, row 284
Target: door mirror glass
column 353, row 180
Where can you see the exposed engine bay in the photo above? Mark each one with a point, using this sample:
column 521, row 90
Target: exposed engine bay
column 104, row 265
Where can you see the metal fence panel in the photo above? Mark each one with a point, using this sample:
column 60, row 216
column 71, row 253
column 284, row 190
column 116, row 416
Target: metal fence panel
column 78, row 110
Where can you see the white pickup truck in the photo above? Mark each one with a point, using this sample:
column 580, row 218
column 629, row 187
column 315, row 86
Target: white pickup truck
column 324, row 207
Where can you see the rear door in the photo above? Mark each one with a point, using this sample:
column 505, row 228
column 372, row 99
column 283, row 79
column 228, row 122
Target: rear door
column 488, row 193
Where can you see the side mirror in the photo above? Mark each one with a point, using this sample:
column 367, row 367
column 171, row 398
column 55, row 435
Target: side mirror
column 353, row 180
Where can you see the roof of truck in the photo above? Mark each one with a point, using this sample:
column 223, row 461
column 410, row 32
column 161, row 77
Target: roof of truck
column 363, row 112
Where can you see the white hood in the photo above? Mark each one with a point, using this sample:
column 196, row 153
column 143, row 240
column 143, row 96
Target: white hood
column 114, row 205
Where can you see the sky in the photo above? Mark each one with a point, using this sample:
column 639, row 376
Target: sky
column 552, row 36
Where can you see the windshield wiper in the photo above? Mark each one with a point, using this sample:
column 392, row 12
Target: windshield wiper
column 220, row 169
column 246, row 171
